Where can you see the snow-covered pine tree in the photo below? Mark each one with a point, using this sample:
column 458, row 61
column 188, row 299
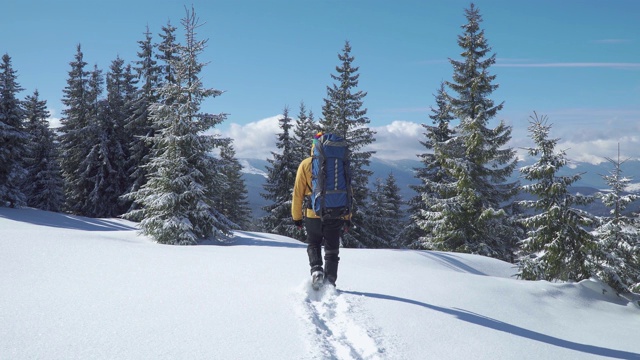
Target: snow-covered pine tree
column 344, row 115
column 303, row 132
column 75, row 139
column 281, row 176
column 383, row 214
column 477, row 219
column 426, row 212
column 558, row 244
column 89, row 177
column 233, row 200
column 13, row 137
column 44, row 185
column 618, row 247
column 376, row 216
column 391, row 192
column 177, row 202
column 106, row 163
column 139, row 124
column 168, row 53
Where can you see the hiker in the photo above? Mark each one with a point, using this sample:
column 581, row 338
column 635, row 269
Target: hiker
column 320, row 231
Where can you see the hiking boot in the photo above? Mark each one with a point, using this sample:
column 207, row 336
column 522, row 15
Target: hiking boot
column 317, row 278
column 330, row 280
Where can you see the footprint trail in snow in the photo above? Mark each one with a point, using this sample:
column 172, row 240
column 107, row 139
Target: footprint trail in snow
column 336, row 325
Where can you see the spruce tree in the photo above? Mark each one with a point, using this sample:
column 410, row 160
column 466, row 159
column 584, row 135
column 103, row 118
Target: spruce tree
column 75, row 138
column 303, row 132
column 13, row 137
column 344, row 115
column 105, row 166
column 233, row 200
column 139, row 124
column 475, row 218
column 391, row 192
column 559, row 245
column 281, row 176
column 93, row 173
column 177, row 204
column 44, row 185
column 168, row 53
column 383, row 214
column 618, row 248
column 435, row 183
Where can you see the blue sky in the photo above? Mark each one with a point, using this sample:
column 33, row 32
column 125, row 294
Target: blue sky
column 576, row 61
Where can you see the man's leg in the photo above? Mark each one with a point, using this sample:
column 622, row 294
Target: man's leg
column 314, row 243
column 331, row 230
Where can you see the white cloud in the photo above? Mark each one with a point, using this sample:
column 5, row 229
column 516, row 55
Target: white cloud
column 398, row 140
column 54, row 122
column 255, row 140
column 591, row 135
column 595, row 151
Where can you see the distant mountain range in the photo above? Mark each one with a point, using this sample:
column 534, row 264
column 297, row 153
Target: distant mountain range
column 255, row 173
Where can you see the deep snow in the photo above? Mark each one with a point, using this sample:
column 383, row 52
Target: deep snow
column 80, row 288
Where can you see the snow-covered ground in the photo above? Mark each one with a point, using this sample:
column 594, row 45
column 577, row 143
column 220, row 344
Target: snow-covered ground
column 79, row 288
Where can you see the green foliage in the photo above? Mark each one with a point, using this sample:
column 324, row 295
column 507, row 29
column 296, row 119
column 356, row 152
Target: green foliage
column 343, row 115
column 617, row 258
column 280, row 181
column 467, row 211
column 383, row 214
column 13, row 137
column 232, row 199
column 434, row 181
column 559, row 244
column 177, row 204
column 44, row 184
column 138, row 123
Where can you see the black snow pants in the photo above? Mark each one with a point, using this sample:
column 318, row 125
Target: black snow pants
column 325, row 233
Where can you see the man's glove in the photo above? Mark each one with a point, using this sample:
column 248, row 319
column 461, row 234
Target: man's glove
column 298, row 223
column 347, row 225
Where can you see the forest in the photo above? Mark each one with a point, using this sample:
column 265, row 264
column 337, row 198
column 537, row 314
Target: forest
column 132, row 144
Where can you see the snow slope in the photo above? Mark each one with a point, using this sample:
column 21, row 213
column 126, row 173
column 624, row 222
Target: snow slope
column 79, row 288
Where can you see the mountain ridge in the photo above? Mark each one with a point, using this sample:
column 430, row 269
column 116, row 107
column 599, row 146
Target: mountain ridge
column 255, row 173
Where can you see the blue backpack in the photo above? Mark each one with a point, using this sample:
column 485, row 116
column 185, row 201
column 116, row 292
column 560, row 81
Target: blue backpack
column 331, row 195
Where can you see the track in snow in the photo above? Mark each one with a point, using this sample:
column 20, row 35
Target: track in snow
column 337, row 326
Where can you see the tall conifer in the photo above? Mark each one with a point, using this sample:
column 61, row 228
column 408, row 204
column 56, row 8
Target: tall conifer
column 479, row 220
column 435, row 183
column 303, row 131
column 233, row 199
column 281, row 176
column 13, row 137
column 75, row 138
column 139, row 124
column 559, row 245
column 44, row 185
column 383, row 214
column 344, row 115
column 618, row 241
column 177, row 204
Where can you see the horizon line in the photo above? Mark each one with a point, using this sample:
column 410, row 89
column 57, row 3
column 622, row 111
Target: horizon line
column 612, row 65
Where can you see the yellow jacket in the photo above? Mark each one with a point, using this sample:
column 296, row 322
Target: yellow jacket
column 302, row 189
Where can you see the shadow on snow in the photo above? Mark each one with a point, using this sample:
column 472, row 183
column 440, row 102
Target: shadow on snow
column 498, row 325
column 60, row 220
column 451, row 261
column 247, row 238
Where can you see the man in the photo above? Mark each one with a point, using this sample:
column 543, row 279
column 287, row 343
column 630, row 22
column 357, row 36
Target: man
column 319, row 231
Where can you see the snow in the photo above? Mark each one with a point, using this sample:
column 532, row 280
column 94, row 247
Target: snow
column 633, row 187
column 247, row 168
column 79, row 288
